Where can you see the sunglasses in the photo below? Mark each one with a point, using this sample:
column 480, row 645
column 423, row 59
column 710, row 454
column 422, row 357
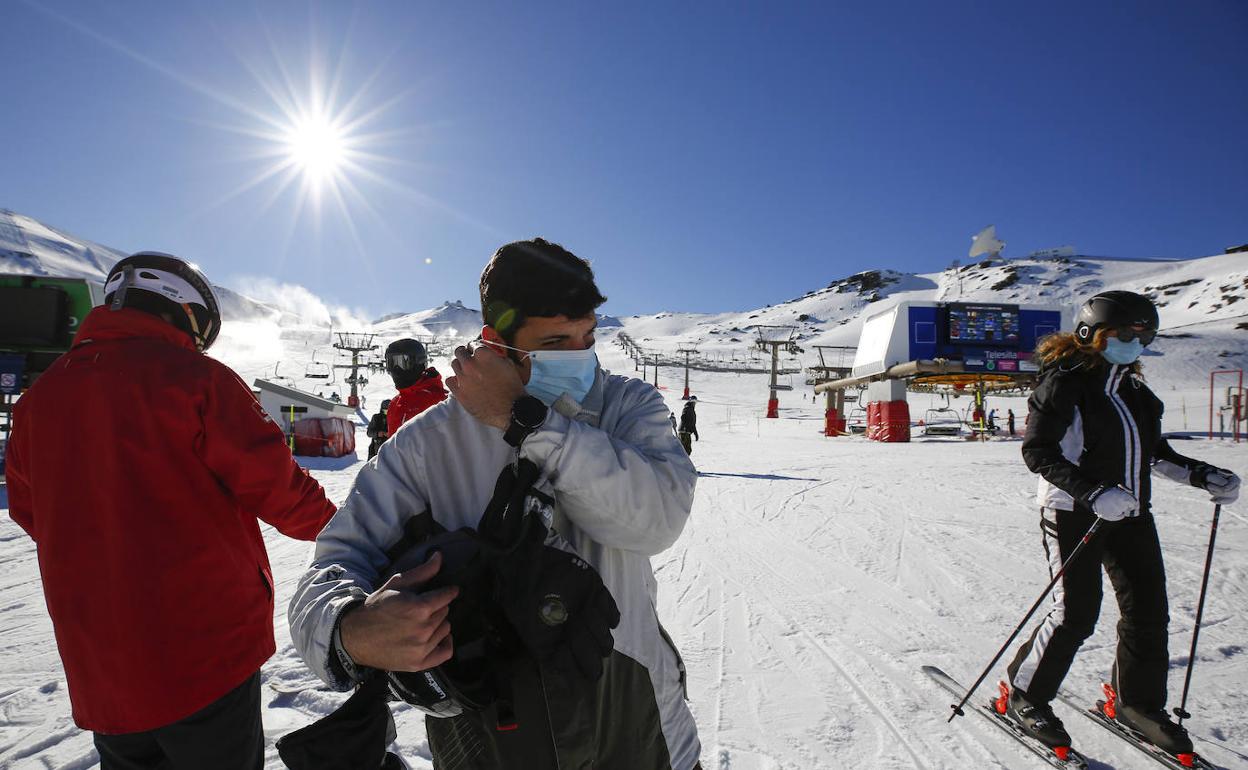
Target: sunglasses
column 1128, row 333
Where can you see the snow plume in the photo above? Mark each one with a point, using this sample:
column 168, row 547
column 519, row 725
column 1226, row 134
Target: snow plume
column 297, row 301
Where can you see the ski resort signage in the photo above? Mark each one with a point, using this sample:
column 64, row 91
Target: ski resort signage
column 12, row 367
column 983, row 337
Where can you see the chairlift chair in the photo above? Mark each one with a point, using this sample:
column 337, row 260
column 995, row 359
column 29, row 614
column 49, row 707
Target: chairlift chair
column 856, row 420
column 318, row 371
column 935, row 423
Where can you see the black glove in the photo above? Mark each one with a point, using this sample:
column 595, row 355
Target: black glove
column 558, row 605
column 1221, row 484
column 553, row 599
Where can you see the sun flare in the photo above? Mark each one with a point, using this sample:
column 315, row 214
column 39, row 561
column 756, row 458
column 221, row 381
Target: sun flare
column 317, row 146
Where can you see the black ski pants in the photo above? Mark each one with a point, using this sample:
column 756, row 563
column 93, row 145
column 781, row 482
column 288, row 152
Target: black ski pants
column 226, row 733
column 1131, row 555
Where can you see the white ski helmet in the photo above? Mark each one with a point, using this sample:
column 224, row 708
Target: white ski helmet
column 162, row 284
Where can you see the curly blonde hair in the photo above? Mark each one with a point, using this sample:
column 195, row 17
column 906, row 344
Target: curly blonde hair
column 1064, row 348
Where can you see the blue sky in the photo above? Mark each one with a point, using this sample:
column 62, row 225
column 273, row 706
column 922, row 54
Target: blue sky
column 705, row 156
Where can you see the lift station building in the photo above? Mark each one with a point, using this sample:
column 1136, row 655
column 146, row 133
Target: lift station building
column 960, row 346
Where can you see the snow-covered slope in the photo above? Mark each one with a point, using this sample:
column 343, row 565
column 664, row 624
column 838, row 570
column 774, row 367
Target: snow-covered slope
column 450, row 319
column 1203, row 305
column 1188, row 292
column 30, row 247
column 814, row 578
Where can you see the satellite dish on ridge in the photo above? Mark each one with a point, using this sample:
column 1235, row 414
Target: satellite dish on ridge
column 985, row 242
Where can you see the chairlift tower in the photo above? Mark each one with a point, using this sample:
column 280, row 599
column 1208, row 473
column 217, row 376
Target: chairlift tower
column 688, row 352
column 774, row 338
column 354, row 343
column 826, row 371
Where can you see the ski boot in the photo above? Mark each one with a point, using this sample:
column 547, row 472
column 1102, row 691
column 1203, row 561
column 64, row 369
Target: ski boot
column 1154, row 727
column 1036, row 719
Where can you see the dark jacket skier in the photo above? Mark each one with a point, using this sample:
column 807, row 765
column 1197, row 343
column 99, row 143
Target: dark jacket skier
column 595, row 690
column 1094, row 437
column 688, row 430
column 140, row 467
column 419, row 385
column 378, row 429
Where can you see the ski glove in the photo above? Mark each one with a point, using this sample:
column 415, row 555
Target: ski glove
column 558, row 606
column 1112, row 503
column 1221, row 484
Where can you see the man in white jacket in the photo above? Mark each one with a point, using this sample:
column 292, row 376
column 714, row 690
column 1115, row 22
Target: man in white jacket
column 622, row 489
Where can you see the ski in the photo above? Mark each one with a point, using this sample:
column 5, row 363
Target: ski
column 1181, row 762
column 988, row 711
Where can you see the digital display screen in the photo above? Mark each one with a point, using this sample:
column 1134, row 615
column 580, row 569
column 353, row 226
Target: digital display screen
column 983, row 324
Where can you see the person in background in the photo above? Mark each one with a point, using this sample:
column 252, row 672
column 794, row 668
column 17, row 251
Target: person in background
column 1095, row 440
column 688, row 430
column 671, row 417
column 139, row 466
column 1009, row 421
column 378, row 429
column 613, row 489
column 419, row 385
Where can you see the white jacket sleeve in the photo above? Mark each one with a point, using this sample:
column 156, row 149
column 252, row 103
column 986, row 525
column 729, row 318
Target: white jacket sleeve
column 628, row 487
column 351, row 553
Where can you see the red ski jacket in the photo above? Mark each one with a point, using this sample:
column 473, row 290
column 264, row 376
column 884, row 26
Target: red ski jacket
column 415, row 399
column 139, row 467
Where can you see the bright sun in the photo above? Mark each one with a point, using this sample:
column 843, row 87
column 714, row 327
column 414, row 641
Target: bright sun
column 317, row 147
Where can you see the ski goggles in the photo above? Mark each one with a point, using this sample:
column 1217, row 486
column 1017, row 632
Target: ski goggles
column 1128, row 333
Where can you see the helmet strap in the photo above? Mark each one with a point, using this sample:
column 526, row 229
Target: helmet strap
column 196, row 334
column 119, row 296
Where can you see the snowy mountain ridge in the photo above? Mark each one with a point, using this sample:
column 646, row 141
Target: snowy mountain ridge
column 1201, row 298
column 29, row 247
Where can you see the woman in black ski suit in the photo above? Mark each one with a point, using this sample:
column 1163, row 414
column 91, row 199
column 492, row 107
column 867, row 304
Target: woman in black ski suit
column 1094, row 437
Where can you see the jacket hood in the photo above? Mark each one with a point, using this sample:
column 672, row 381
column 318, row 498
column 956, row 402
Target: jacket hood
column 103, row 324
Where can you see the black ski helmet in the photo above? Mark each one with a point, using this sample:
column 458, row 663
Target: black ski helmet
column 160, row 284
column 405, row 361
column 1117, row 310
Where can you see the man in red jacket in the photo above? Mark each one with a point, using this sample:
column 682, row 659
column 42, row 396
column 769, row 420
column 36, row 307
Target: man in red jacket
column 419, row 385
column 139, row 467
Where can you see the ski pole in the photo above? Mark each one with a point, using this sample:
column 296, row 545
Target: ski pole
column 1181, row 711
column 1087, row 538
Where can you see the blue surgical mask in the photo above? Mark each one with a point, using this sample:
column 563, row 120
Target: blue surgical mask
column 555, row 372
column 1122, row 353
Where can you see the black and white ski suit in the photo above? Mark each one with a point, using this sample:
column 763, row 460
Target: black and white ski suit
column 1092, row 428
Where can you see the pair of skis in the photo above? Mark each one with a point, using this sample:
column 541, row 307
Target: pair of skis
column 1066, row 758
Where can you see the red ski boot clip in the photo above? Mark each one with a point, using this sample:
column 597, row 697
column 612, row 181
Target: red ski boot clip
column 1002, row 703
column 1109, row 706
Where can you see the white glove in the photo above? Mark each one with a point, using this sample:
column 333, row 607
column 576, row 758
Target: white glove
column 1114, row 504
column 1222, row 486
